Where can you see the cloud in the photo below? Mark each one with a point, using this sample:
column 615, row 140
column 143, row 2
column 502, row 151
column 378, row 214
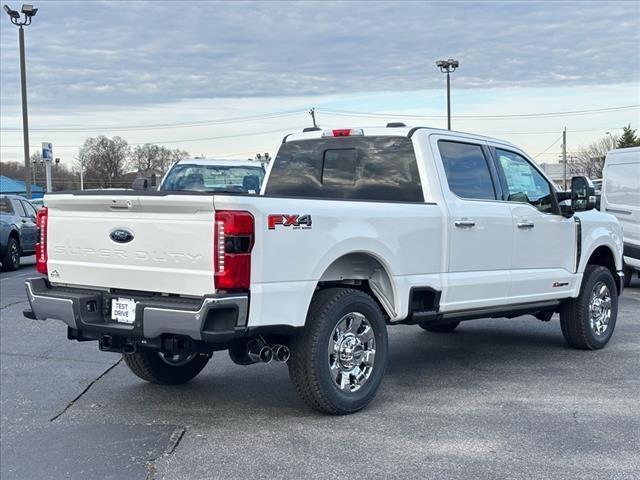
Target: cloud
column 135, row 53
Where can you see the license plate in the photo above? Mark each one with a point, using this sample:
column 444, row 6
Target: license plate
column 123, row 310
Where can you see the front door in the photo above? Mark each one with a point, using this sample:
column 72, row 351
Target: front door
column 544, row 242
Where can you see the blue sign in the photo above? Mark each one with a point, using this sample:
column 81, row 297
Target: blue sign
column 47, row 151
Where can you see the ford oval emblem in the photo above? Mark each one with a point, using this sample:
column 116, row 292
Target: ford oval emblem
column 121, row 235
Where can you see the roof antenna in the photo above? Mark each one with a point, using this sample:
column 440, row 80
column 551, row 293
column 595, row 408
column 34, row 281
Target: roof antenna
column 315, row 127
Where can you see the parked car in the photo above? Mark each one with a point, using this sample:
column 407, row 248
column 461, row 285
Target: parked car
column 355, row 230
column 621, row 197
column 17, row 230
column 214, row 176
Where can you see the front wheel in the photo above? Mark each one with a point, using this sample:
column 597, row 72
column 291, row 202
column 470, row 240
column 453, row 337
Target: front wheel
column 165, row 368
column 588, row 321
column 339, row 359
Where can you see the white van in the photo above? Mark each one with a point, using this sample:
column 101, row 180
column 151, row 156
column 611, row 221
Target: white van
column 621, row 197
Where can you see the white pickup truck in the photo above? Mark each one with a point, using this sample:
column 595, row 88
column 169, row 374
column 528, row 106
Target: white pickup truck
column 355, row 230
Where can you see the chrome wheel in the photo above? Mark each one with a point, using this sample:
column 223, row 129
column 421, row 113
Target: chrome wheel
column 600, row 308
column 178, row 359
column 352, row 352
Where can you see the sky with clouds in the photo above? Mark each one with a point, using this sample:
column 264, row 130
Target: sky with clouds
column 95, row 67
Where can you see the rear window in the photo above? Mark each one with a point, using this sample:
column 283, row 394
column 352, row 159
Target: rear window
column 354, row 168
column 5, row 206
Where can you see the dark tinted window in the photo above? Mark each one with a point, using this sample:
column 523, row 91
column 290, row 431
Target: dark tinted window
column 5, row 206
column 525, row 183
column 19, row 208
column 357, row 168
column 467, row 170
column 339, row 167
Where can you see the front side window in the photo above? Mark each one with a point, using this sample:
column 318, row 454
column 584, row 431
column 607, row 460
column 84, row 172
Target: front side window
column 31, row 212
column 355, row 168
column 467, row 170
column 524, row 182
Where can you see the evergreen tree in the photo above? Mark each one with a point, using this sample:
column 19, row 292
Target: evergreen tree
column 628, row 138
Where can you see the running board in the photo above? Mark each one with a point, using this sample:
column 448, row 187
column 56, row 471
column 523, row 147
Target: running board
column 508, row 311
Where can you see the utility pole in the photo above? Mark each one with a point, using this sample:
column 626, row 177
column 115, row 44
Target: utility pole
column 564, row 157
column 312, row 112
column 29, row 12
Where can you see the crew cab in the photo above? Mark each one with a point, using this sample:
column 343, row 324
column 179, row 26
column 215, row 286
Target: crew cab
column 355, row 230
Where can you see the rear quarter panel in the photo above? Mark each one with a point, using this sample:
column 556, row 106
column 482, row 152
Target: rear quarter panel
column 288, row 262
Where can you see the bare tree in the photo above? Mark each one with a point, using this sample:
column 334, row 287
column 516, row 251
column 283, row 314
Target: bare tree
column 105, row 161
column 590, row 159
column 155, row 157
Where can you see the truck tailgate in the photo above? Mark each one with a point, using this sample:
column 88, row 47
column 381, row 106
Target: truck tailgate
column 171, row 250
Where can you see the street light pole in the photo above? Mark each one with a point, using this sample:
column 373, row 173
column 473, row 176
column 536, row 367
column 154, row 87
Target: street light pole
column 29, row 12
column 448, row 66
column 25, row 114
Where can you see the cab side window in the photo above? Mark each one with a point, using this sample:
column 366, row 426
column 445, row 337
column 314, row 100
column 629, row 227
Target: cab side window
column 525, row 184
column 467, row 170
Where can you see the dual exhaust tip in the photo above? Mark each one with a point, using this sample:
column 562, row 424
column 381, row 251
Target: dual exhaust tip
column 266, row 353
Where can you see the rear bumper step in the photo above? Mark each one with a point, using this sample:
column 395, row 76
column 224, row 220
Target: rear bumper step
column 214, row 318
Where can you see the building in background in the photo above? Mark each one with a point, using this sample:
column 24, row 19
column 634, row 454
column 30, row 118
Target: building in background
column 9, row 186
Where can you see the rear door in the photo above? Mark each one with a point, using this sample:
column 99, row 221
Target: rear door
column 480, row 233
column 29, row 228
column 544, row 242
column 26, row 225
column 156, row 243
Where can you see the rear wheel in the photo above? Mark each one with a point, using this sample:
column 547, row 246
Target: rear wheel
column 439, row 327
column 11, row 258
column 588, row 321
column 339, row 359
column 165, row 368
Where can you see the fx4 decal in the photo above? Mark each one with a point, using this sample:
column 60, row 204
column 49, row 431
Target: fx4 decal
column 294, row 221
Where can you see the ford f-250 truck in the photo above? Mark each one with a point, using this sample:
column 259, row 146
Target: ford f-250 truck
column 355, row 230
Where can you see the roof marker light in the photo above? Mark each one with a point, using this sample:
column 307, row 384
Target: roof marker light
column 342, row 132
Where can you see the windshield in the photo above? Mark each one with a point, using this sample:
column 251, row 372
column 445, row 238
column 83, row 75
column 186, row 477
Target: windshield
column 214, row 178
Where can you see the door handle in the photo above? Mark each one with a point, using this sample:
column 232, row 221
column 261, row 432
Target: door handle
column 464, row 223
column 526, row 225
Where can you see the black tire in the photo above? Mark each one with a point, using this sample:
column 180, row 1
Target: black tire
column 11, row 257
column 439, row 327
column 149, row 365
column 628, row 274
column 309, row 367
column 575, row 318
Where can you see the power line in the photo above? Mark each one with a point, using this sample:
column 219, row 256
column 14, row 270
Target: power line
column 115, row 128
column 548, row 148
column 485, row 117
column 246, row 134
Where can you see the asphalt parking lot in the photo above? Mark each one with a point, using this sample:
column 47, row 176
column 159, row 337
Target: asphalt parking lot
column 495, row 399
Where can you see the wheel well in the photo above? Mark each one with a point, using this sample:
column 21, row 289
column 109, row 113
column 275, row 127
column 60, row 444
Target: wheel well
column 14, row 234
column 603, row 256
column 364, row 272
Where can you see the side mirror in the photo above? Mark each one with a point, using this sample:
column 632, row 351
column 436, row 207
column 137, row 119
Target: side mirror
column 140, row 183
column 583, row 194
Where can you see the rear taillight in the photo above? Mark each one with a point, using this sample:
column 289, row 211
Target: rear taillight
column 232, row 242
column 41, row 243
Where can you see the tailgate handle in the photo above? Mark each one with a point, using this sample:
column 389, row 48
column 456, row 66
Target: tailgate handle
column 115, row 205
